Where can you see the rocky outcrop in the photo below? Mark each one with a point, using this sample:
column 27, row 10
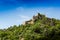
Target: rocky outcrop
column 28, row 22
column 38, row 16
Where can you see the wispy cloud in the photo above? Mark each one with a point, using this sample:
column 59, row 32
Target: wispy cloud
column 20, row 9
column 24, row 17
column 21, row 14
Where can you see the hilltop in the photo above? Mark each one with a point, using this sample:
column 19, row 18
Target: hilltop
column 39, row 27
column 35, row 18
column 42, row 18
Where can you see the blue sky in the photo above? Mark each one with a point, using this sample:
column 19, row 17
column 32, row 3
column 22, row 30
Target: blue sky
column 15, row 12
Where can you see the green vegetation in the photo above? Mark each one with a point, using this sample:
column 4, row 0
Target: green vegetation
column 42, row 29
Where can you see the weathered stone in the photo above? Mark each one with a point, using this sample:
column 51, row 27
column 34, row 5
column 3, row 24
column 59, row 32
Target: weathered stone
column 38, row 16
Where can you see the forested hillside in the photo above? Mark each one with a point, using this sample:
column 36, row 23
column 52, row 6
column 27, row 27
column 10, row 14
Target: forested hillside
column 39, row 27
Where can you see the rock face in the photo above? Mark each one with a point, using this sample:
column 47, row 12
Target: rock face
column 28, row 22
column 38, row 16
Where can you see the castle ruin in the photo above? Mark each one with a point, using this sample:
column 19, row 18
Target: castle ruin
column 38, row 16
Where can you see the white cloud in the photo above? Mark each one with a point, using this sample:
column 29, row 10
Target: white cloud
column 24, row 17
column 20, row 9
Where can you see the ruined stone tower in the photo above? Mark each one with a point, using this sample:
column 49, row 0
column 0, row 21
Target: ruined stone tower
column 38, row 16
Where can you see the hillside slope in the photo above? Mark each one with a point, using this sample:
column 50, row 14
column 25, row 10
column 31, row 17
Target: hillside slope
column 39, row 27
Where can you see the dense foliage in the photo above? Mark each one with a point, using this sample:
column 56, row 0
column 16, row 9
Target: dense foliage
column 42, row 29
